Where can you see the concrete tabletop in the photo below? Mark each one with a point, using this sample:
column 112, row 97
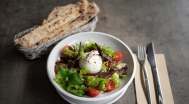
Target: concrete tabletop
column 136, row 22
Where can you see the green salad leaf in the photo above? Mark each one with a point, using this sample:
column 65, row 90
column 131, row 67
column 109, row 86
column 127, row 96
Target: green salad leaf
column 70, row 53
column 123, row 75
column 64, row 71
column 115, row 78
column 70, row 81
column 83, row 71
column 104, row 66
column 96, row 82
column 77, row 90
column 60, row 81
column 107, row 50
column 89, row 45
column 76, row 49
column 75, row 79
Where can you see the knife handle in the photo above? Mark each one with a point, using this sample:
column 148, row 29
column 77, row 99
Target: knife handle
column 158, row 86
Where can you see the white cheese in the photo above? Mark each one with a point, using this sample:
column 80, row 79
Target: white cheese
column 92, row 61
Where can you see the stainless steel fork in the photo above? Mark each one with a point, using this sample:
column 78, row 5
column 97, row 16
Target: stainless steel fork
column 142, row 58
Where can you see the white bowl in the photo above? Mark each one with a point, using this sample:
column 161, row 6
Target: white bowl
column 102, row 39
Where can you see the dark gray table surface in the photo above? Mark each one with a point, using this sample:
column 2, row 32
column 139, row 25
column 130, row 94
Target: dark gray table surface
column 136, row 22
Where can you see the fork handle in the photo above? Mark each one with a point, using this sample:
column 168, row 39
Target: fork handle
column 158, row 86
column 147, row 85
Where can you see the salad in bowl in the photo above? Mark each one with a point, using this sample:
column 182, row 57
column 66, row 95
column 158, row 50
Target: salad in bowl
column 91, row 68
column 87, row 68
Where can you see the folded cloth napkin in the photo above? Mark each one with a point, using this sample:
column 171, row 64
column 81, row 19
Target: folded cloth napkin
column 164, row 80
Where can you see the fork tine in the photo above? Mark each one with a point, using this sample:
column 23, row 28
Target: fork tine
column 144, row 52
column 139, row 51
column 142, row 49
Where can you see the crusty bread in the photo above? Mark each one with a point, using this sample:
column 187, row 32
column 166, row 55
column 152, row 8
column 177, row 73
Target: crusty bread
column 60, row 21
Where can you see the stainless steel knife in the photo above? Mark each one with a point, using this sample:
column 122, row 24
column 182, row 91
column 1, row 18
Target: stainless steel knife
column 152, row 61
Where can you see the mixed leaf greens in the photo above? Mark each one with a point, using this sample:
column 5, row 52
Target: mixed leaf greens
column 75, row 80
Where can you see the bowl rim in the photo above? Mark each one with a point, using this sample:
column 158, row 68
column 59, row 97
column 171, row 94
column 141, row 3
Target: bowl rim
column 93, row 98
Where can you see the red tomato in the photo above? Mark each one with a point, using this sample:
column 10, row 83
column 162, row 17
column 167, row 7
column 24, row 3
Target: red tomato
column 118, row 56
column 92, row 91
column 57, row 65
column 110, row 86
column 68, row 47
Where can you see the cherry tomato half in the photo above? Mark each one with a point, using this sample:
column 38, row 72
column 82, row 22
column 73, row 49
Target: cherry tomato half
column 57, row 65
column 92, row 91
column 110, row 86
column 118, row 56
column 66, row 47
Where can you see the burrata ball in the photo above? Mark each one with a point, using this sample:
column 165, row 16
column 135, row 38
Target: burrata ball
column 92, row 61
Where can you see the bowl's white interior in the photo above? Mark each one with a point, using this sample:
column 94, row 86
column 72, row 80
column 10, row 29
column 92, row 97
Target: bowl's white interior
column 101, row 39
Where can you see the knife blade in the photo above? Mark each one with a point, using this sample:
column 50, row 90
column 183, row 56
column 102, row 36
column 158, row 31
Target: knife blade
column 152, row 61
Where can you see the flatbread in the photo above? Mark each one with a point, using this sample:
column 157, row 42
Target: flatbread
column 56, row 12
column 92, row 10
column 61, row 9
column 43, row 31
